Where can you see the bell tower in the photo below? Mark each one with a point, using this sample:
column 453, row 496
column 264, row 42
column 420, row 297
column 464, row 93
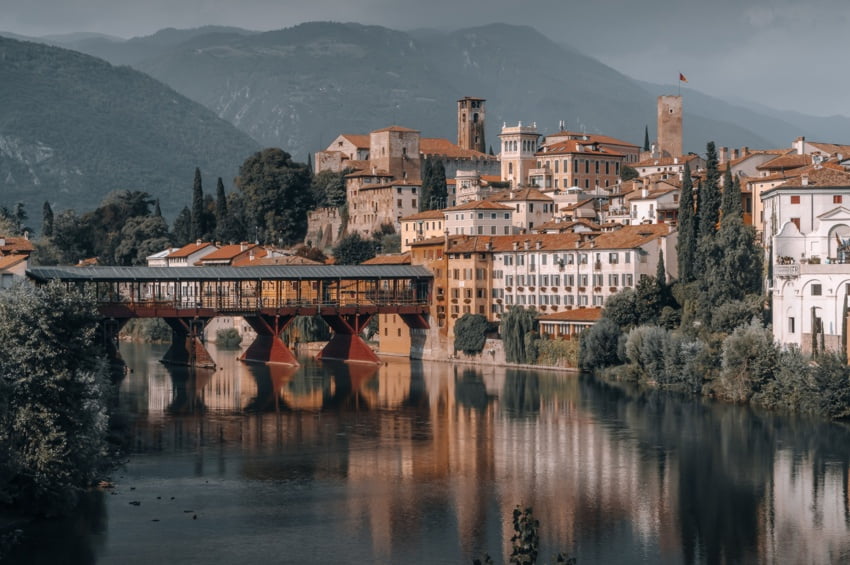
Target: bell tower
column 470, row 124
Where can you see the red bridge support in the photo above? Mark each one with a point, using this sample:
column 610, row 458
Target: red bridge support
column 187, row 346
column 346, row 343
column 268, row 347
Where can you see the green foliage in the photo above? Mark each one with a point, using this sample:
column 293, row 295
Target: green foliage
column 687, row 226
column 516, row 323
column 525, row 543
column 621, row 309
column 434, row 191
column 471, row 333
column 328, row 189
column 426, row 190
column 645, row 350
column 749, row 362
column 199, row 228
column 353, row 250
column 277, row 197
column 708, row 210
column 228, row 338
column 182, row 229
column 47, row 220
column 646, row 138
column 628, row 173
column 312, row 253
column 598, row 345
column 139, row 238
column 55, row 387
column 558, row 352
column 147, row 330
column 305, row 329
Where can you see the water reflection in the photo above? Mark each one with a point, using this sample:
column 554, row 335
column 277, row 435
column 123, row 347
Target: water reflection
column 423, row 463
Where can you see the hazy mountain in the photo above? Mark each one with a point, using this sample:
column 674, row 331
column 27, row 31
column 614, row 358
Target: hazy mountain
column 73, row 128
column 299, row 87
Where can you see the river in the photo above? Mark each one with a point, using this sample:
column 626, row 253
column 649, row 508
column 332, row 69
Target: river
column 412, row 462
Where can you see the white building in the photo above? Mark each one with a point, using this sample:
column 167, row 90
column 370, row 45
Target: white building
column 479, row 217
column 809, row 219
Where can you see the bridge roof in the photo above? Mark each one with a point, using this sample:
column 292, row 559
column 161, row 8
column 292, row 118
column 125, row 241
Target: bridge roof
column 263, row 272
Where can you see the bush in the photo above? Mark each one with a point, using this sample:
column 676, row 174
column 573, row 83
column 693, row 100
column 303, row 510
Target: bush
column 228, row 338
column 558, row 353
column 749, row 362
column 470, row 333
column 599, row 345
column 55, row 385
column 147, row 330
column 645, row 349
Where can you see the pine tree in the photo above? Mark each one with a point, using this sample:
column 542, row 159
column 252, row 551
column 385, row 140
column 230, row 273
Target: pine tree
column 47, row 220
column 687, row 245
column 198, row 227
column 709, row 197
column 646, row 138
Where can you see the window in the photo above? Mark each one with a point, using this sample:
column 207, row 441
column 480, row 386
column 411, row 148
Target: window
column 399, row 203
column 582, row 300
column 509, row 280
column 613, row 258
column 556, row 280
column 480, row 215
column 817, row 290
column 582, row 280
column 628, row 280
column 628, row 256
column 598, row 301
column 795, row 199
column 791, row 325
column 597, row 280
column 568, row 300
column 507, row 215
column 836, row 199
column 613, row 280
column 583, row 258
column 569, row 280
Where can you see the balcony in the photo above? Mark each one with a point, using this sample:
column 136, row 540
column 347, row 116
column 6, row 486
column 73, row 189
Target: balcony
column 786, row 271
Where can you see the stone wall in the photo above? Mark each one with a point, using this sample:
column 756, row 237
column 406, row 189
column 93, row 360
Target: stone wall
column 324, row 227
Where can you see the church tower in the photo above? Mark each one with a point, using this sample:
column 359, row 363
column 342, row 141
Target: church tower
column 470, row 124
column 670, row 126
column 518, row 145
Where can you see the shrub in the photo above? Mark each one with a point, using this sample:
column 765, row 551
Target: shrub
column 599, row 345
column 749, row 362
column 147, row 330
column 645, row 349
column 556, row 352
column 228, row 338
column 470, row 333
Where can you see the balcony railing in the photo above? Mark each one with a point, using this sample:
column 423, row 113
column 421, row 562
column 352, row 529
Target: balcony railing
column 786, row 271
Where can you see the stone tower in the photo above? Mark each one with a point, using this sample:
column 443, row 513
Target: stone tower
column 470, row 124
column 670, row 126
column 518, row 146
column 395, row 151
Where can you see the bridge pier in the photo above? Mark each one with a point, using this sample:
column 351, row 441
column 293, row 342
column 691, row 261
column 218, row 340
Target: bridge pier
column 109, row 330
column 346, row 343
column 187, row 345
column 268, row 347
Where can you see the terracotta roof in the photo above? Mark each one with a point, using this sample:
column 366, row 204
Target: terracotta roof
column 787, row 161
column 356, row 165
column 230, row 252
column 389, row 259
column 7, row 261
column 187, row 250
column 824, row 176
column 367, row 172
column 504, row 243
column 566, row 226
column 529, row 193
column 390, row 185
column 358, row 140
column 479, row 205
column 283, row 260
column 441, row 146
column 831, row 149
column 15, row 245
column 665, row 161
column 491, row 178
column 593, row 137
column 426, row 215
column 400, row 129
column 577, row 315
column 628, row 237
column 571, row 146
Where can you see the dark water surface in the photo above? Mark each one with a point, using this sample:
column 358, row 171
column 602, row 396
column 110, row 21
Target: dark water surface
column 424, row 463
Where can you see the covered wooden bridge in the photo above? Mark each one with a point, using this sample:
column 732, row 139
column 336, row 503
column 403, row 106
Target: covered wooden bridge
column 268, row 297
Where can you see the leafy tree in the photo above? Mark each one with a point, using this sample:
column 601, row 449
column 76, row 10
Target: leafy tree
column 709, row 195
column 47, row 220
column 621, row 309
column 277, row 196
column 312, row 253
column 628, row 173
column 687, row 244
column 55, row 383
column 182, row 228
column 749, row 362
column 199, row 227
column 598, row 345
column 649, row 300
column 139, row 238
column 470, row 333
column 516, row 323
column 353, row 250
column 328, row 189
column 71, row 237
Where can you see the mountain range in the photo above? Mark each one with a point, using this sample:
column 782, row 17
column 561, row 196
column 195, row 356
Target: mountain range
column 298, row 88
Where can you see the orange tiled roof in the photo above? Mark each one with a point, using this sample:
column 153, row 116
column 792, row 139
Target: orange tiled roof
column 665, row 161
column 230, row 252
column 503, row 243
column 572, row 146
column 577, row 315
column 831, row 149
column 187, row 250
column 786, row 161
column 440, row 146
column 16, row 245
column 824, row 176
column 400, row 129
column 628, row 237
column 593, row 137
column 284, row 260
column 566, row 226
column 7, row 261
column 479, row 205
column 390, row 259
column 357, row 140
column 529, row 193
column 426, row 215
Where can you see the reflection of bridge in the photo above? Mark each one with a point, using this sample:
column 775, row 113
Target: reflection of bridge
column 268, row 297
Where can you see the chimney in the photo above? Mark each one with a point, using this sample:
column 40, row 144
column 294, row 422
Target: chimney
column 537, row 244
column 198, row 242
column 804, row 180
column 745, row 151
column 644, row 192
column 243, row 246
column 526, row 244
column 724, row 155
column 516, row 246
column 734, row 154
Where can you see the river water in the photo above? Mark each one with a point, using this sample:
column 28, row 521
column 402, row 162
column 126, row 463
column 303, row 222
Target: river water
column 424, row 463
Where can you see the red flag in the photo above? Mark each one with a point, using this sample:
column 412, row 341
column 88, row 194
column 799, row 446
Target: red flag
column 682, row 78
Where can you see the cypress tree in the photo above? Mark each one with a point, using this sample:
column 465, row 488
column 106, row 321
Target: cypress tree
column 646, row 138
column 687, row 244
column 731, row 199
column 439, row 188
column 198, row 228
column 709, row 197
column 157, row 211
column 491, row 150
column 220, row 202
column 47, row 220
column 661, row 270
column 426, row 191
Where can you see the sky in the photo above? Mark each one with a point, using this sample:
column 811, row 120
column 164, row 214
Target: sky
column 787, row 54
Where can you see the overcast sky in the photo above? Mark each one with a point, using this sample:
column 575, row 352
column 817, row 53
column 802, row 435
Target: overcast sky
column 789, row 54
